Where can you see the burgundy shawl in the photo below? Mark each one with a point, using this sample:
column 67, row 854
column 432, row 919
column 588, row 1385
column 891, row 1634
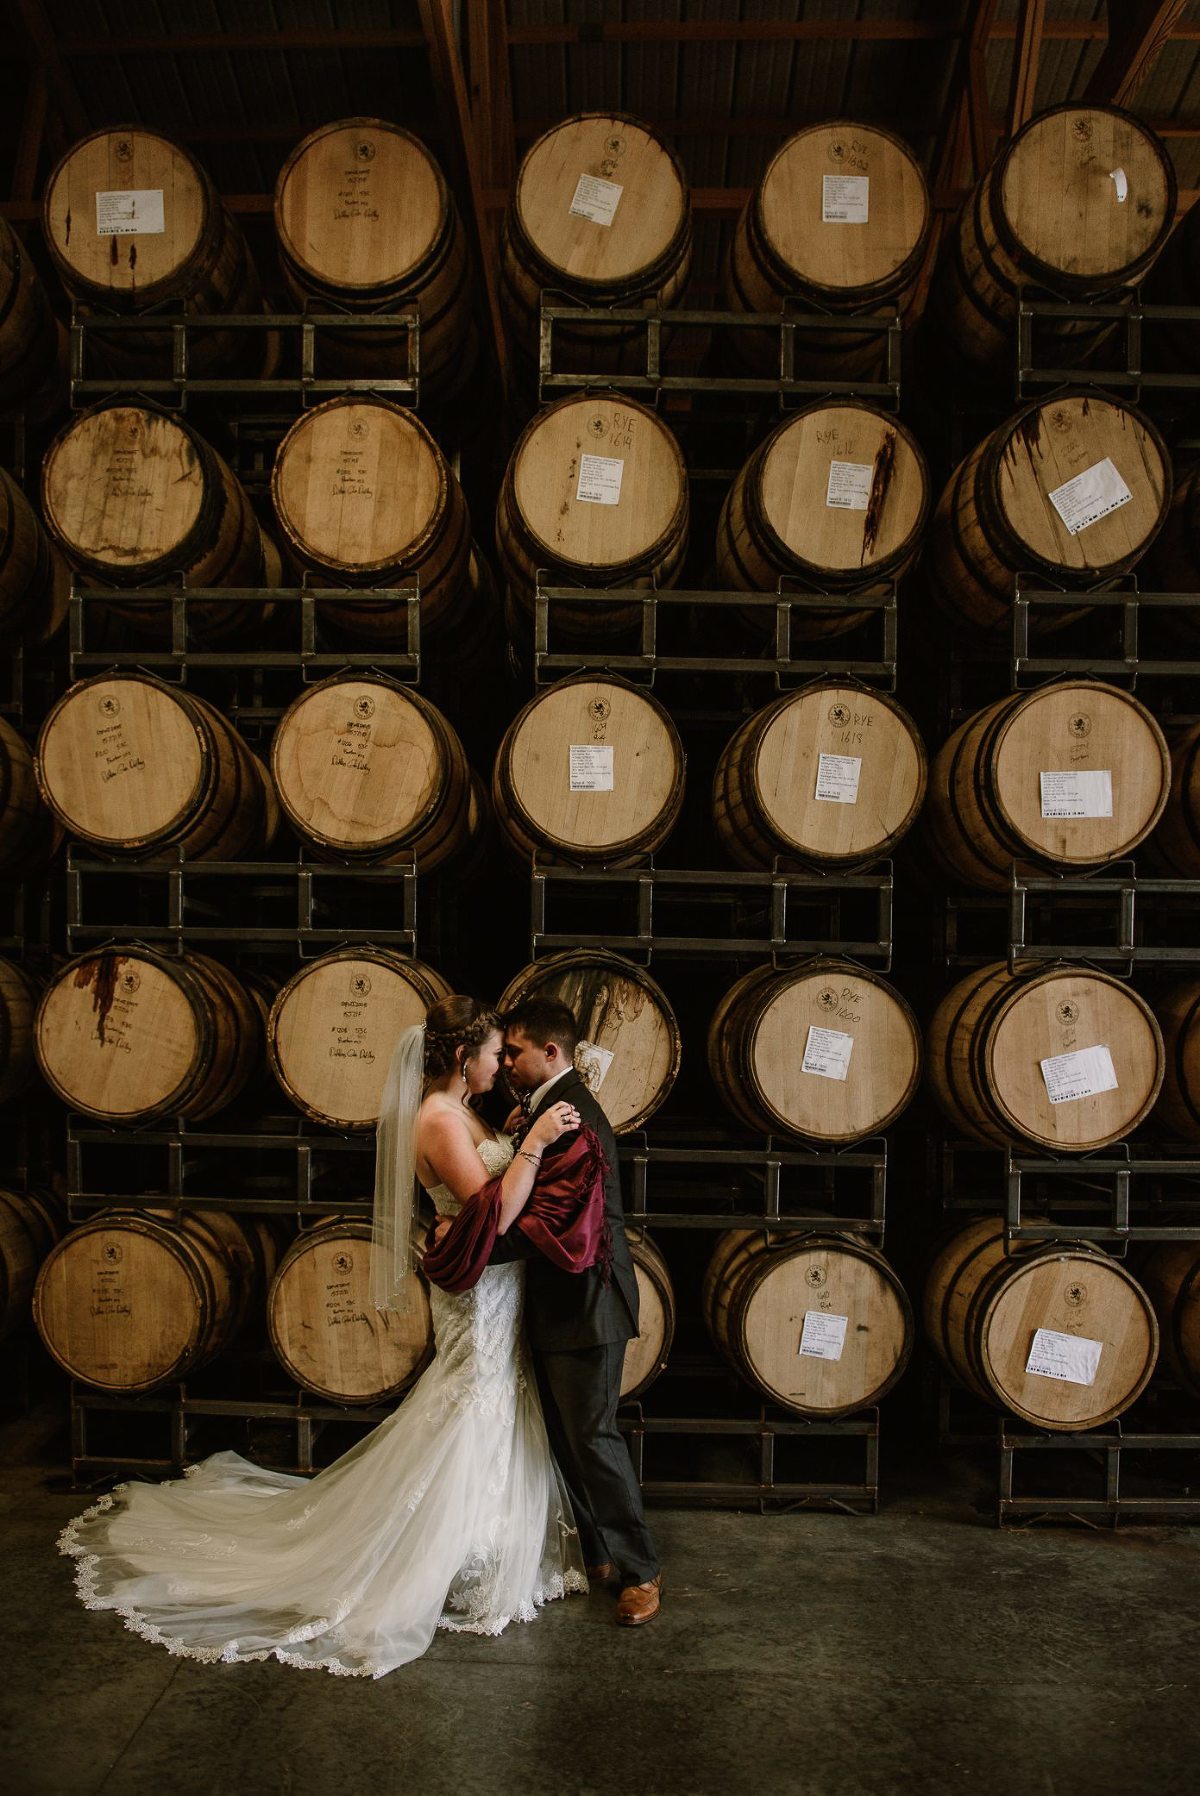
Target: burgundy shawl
column 564, row 1219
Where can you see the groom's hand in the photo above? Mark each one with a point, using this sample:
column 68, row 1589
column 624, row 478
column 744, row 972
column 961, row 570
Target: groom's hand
column 515, row 1120
column 438, row 1232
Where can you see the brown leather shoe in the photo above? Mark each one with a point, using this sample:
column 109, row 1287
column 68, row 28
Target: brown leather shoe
column 639, row 1603
column 602, row 1574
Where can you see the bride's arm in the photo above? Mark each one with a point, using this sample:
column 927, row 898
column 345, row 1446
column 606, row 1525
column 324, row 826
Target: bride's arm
column 446, row 1143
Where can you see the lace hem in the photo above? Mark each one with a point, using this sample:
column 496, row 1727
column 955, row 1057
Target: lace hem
column 88, row 1568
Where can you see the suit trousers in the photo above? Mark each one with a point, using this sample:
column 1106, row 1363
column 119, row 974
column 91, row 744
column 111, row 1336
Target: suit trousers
column 580, row 1390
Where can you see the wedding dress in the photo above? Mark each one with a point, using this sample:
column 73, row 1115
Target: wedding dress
column 451, row 1514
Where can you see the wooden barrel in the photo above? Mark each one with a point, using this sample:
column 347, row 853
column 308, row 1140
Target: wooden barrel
column 1066, row 1058
column 1174, row 848
column 29, row 834
column 325, row 1331
column 1079, row 203
column 364, row 496
column 368, row 770
column 30, row 1224
column 600, row 213
column 825, row 1050
column 134, row 497
column 629, row 1043
column 366, row 223
column 333, row 1027
column 837, row 497
column 1170, row 1273
column 132, row 1299
column 832, row 773
column 18, row 1001
column 30, row 337
column 1059, row 1333
column 1177, row 1011
column 35, row 581
column 820, row 1322
column 133, row 222
column 1073, row 490
column 128, row 1035
column 560, row 787
column 595, row 494
column 130, row 764
column 1070, row 775
column 841, row 219
column 650, row 1349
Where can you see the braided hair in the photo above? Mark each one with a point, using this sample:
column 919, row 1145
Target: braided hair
column 453, row 1023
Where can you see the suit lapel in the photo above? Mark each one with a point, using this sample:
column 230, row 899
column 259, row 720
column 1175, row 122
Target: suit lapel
column 557, row 1092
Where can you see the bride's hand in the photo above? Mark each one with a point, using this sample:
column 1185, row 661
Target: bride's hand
column 559, row 1119
column 513, row 1120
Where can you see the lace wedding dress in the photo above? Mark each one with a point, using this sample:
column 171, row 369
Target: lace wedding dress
column 451, row 1514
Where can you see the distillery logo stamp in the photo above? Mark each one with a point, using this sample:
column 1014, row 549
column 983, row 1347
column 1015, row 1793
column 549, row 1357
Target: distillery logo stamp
column 360, row 985
column 599, row 710
column 109, row 706
column 365, row 151
column 113, row 1254
column 343, row 1263
column 1080, row 726
column 364, row 707
column 1076, row 1295
column 827, row 998
column 815, row 1276
column 839, row 716
column 1068, row 1012
column 131, row 982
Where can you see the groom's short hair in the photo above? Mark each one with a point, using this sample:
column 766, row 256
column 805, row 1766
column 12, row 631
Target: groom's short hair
column 543, row 1020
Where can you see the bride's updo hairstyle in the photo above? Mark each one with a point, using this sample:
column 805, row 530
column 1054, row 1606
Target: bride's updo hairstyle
column 456, row 1022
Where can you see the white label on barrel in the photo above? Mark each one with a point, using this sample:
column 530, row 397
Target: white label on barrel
column 1080, row 1074
column 837, row 778
column 827, row 1053
column 132, row 212
column 823, row 1336
column 849, row 487
column 1090, row 496
column 591, row 767
column 592, row 1062
column 845, row 198
column 600, row 479
column 596, row 199
column 1071, row 1358
column 1120, row 181
column 1082, row 792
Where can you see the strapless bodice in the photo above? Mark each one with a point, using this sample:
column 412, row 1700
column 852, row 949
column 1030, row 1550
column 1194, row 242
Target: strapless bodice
column 496, row 1155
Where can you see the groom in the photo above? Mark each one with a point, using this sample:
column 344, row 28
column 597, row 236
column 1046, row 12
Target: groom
column 578, row 1327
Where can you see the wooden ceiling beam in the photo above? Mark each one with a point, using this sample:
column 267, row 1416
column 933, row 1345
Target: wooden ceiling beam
column 723, row 31
column 1133, row 47
column 1022, row 87
column 44, row 50
column 491, row 93
column 30, row 140
column 167, row 43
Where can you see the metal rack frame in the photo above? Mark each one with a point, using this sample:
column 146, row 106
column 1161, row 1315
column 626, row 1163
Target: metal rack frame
column 1124, row 602
column 787, row 389
column 178, row 887
column 1140, row 322
column 1115, row 897
column 657, row 606
column 175, row 388
column 716, row 1171
column 775, row 896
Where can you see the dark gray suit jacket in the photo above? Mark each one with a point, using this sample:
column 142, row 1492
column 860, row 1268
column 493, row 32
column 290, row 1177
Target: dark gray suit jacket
column 568, row 1310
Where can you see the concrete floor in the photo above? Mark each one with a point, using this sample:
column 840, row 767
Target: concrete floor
column 920, row 1650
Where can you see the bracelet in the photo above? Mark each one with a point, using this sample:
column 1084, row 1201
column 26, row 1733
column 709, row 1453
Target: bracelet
column 533, row 1159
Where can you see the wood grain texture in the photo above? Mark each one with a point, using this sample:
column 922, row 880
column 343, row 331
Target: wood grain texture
column 650, row 1349
column 982, row 1308
column 757, row 1293
column 622, row 1011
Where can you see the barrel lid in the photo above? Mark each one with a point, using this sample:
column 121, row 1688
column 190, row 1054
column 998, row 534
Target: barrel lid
column 334, row 1026
column 1087, row 191
column 325, row 1329
column 600, row 199
column 117, row 1035
column 844, row 489
column 120, row 761
column 359, row 203
column 831, row 1282
column 149, row 193
column 1057, row 1015
column 1092, row 1301
column 594, row 766
column 122, row 487
column 848, row 725
column 359, row 484
column 1104, row 750
column 626, row 465
column 630, row 1046
column 844, row 205
column 358, row 763
column 1107, row 468
column 875, row 1037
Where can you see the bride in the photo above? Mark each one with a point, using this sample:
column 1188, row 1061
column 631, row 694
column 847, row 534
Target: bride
column 451, row 1514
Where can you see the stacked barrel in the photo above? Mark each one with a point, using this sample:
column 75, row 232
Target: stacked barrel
column 356, row 687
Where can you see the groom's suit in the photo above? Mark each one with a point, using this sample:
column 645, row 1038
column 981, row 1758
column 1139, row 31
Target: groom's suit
column 578, row 1326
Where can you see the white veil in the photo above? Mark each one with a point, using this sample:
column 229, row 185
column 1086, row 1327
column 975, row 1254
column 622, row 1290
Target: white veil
column 396, row 1175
